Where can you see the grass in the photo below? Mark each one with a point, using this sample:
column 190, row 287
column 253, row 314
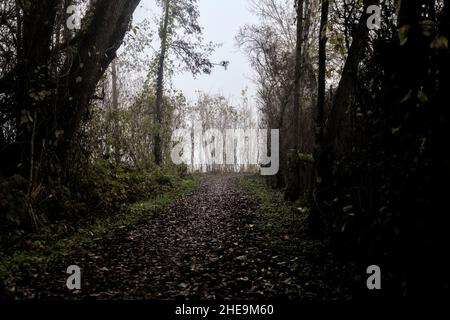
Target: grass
column 53, row 242
column 281, row 219
column 285, row 223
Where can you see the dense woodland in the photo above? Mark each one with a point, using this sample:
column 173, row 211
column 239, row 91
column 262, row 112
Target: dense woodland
column 87, row 117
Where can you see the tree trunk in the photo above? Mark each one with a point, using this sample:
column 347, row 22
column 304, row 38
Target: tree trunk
column 441, row 132
column 322, row 72
column 104, row 30
column 48, row 114
column 314, row 218
column 334, row 136
column 293, row 185
column 160, row 86
column 33, row 79
column 115, row 112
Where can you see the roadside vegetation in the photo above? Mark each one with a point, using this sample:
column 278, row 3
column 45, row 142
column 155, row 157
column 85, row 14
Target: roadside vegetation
column 112, row 199
column 313, row 262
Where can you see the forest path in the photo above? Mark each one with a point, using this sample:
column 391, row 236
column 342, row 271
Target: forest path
column 206, row 245
column 196, row 248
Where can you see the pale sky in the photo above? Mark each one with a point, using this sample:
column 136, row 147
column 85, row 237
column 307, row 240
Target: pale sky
column 221, row 20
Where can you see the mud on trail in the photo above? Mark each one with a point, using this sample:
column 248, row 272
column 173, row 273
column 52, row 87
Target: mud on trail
column 206, row 245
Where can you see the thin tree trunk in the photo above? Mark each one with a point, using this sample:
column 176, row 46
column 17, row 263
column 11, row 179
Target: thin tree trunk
column 441, row 132
column 160, row 86
column 293, row 186
column 322, row 72
column 115, row 112
column 321, row 96
column 314, row 218
column 298, row 74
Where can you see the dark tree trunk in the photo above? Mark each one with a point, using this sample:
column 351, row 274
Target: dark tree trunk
column 160, row 86
column 322, row 72
column 33, row 83
column 293, row 180
column 314, row 218
column 96, row 47
column 441, row 132
column 336, row 136
column 49, row 112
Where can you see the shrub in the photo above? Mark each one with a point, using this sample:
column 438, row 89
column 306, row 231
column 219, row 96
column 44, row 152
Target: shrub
column 102, row 189
column 15, row 215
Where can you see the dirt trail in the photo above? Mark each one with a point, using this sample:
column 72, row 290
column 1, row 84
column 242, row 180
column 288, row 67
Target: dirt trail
column 204, row 246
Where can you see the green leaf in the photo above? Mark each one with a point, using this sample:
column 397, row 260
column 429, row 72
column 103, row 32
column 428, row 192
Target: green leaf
column 329, row 73
column 396, row 130
column 440, row 42
column 43, row 94
column 79, row 79
column 427, row 27
column 347, row 209
column 423, row 98
column 23, row 120
column 59, row 133
column 407, row 97
column 403, row 34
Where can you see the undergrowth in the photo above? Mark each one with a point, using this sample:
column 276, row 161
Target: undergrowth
column 69, row 219
column 281, row 219
column 285, row 223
